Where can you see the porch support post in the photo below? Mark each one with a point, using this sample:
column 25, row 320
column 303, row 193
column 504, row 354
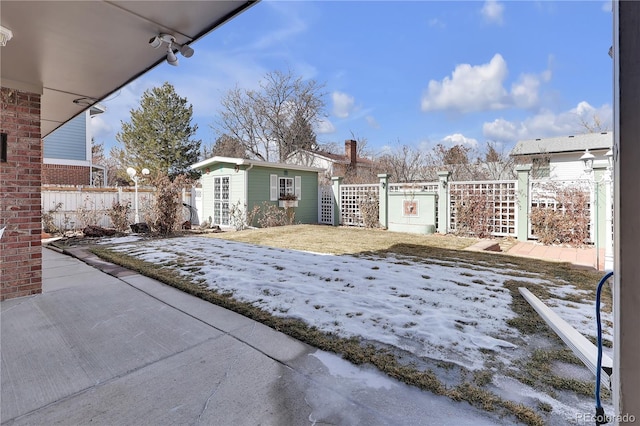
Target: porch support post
column 522, row 210
column 626, row 149
column 443, row 202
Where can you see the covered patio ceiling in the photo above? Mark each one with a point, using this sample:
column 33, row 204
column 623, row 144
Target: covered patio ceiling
column 76, row 53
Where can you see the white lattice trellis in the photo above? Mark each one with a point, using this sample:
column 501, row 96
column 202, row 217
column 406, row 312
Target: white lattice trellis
column 543, row 194
column 326, row 202
column 502, row 199
column 350, row 198
column 414, row 187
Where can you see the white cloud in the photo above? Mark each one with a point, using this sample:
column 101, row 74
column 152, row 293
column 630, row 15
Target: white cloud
column 459, row 139
column 343, row 104
column 325, row 126
column 470, row 88
column 524, row 93
column 607, row 6
column 492, row 11
column 547, row 124
column 372, row 122
column 292, row 24
column 436, row 23
column 481, row 87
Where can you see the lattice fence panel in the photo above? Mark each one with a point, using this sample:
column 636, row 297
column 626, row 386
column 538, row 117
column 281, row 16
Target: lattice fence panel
column 414, row 187
column 325, row 216
column 544, row 194
column 351, row 197
column 501, row 204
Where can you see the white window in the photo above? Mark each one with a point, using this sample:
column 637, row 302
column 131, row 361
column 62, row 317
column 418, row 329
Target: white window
column 283, row 187
column 286, row 187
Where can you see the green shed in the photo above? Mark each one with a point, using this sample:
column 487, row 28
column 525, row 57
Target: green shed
column 247, row 183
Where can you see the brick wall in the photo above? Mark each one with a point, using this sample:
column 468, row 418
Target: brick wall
column 59, row 174
column 20, row 179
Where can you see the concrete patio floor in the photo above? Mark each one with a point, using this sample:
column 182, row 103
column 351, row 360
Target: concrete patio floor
column 586, row 257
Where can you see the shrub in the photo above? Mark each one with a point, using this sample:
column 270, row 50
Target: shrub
column 270, row 215
column 165, row 215
column 241, row 218
column 369, row 207
column 48, row 221
column 568, row 222
column 119, row 215
column 88, row 216
column 474, row 215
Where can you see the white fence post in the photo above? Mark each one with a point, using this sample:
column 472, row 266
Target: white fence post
column 383, row 201
column 443, row 202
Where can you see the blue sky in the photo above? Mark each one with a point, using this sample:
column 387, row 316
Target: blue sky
column 416, row 73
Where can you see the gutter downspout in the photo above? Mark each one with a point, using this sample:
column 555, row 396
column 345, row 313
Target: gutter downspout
column 246, row 185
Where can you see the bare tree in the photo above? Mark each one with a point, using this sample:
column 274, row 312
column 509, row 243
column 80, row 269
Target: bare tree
column 594, row 126
column 404, row 164
column 362, row 150
column 98, row 158
column 275, row 120
column 497, row 164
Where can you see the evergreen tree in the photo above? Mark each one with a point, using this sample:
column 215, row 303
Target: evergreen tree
column 159, row 135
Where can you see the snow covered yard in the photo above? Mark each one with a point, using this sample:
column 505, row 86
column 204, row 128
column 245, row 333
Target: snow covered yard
column 443, row 310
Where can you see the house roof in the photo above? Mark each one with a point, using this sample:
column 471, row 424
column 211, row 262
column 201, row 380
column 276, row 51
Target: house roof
column 243, row 161
column 76, row 53
column 577, row 143
column 336, row 158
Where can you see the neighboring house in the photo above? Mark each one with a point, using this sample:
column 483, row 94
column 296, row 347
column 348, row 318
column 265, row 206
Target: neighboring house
column 245, row 183
column 67, row 153
column 348, row 165
column 559, row 158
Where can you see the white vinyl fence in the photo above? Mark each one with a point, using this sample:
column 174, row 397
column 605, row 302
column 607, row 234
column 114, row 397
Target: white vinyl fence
column 77, row 207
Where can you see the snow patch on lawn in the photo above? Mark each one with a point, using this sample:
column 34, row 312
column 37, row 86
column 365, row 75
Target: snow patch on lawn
column 452, row 310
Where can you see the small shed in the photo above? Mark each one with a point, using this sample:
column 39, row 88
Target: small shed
column 228, row 182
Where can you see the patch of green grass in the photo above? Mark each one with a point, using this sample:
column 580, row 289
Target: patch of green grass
column 482, row 377
column 537, row 371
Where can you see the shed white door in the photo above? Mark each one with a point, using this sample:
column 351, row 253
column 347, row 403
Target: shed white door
column 221, row 200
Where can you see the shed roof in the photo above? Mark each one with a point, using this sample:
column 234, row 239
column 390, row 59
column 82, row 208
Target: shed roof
column 243, row 161
column 572, row 143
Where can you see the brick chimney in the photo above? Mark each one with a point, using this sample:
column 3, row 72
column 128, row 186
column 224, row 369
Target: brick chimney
column 350, row 148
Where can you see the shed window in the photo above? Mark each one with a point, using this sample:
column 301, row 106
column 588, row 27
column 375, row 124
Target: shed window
column 286, row 187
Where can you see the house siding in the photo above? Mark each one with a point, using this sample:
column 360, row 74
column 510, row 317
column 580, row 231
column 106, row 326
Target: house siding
column 569, row 166
column 69, row 142
column 258, row 191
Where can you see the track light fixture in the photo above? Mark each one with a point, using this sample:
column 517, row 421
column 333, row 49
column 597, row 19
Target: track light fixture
column 171, row 43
